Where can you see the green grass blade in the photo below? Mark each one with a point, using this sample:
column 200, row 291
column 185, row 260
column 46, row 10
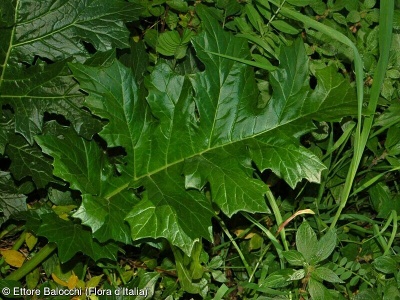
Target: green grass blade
column 245, row 61
column 385, row 39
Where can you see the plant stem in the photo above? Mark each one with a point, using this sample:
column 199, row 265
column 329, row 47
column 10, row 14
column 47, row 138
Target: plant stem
column 18, row 243
column 394, row 231
column 225, row 229
column 31, row 264
column 278, row 216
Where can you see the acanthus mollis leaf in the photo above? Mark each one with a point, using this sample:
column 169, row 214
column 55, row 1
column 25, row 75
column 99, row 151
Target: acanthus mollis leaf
column 58, row 30
column 54, row 31
column 46, row 88
column 28, row 160
column 207, row 128
column 73, row 238
column 12, row 198
column 165, row 211
column 86, row 167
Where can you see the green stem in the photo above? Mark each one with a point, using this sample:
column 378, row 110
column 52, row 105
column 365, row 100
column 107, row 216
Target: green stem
column 10, row 229
column 379, row 237
column 278, row 216
column 31, row 264
column 18, row 243
column 225, row 229
column 394, row 231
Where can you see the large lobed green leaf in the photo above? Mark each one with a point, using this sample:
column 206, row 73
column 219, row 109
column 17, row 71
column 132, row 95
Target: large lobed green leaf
column 86, row 167
column 73, row 238
column 193, row 130
column 54, row 31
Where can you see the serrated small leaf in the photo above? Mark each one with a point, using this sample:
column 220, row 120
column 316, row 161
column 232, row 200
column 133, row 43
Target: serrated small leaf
column 306, row 241
column 294, row 257
column 326, row 274
column 167, row 42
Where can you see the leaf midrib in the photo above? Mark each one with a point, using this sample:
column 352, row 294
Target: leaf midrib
column 149, row 174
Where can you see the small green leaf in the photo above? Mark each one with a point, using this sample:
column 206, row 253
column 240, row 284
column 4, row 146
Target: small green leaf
column 32, row 279
column 353, row 16
column 171, row 43
column 339, row 18
column 386, row 264
column 326, row 274
column 278, row 279
column 179, row 5
column 285, row 27
column 297, row 275
column 326, row 245
column 219, row 276
column 369, row 3
column 254, row 17
column 216, row 262
column 306, row 241
column 318, row 291
column 346, row 275
column 294, row 257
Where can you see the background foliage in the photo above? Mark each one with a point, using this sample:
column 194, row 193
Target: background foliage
column 213, row 149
